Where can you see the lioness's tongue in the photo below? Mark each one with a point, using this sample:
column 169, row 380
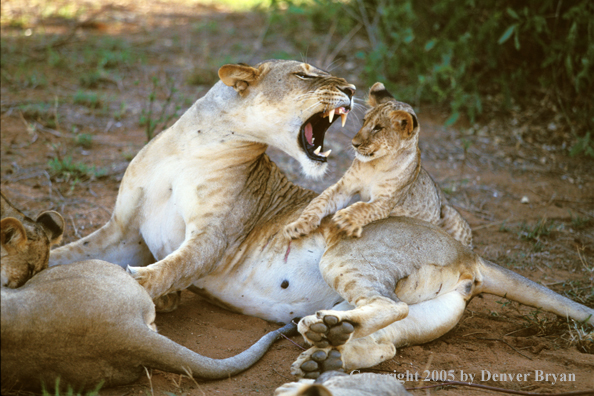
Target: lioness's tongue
column 309, row 133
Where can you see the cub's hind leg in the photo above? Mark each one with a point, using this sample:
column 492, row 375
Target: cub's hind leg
column 425, row 322
column 376, row 305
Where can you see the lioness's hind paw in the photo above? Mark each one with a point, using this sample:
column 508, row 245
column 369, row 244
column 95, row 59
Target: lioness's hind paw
column 324, row 330
column 313, row 362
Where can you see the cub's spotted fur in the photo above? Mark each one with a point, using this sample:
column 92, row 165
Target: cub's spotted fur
column 387, row 174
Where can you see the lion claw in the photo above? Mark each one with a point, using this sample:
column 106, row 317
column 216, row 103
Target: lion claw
column 345, row 223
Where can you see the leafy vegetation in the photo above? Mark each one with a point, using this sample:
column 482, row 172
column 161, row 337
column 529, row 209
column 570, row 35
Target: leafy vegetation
column 149, row 117
column 70, row 391
column 67, row 170
column 470, row 55
column 88, row 99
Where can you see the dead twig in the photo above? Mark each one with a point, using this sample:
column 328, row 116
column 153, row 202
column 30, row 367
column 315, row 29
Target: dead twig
column 76, row 233
column 345, row 40
column 150, row 378
column 280, row 375
column 71, row 33
column 299, row 346
column 326, row 45
column 191, row 376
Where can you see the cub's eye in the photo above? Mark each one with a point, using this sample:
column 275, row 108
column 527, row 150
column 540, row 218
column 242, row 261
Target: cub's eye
column 303, row 76
column 377, row 128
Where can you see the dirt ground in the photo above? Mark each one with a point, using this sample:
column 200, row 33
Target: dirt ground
column 530, row 205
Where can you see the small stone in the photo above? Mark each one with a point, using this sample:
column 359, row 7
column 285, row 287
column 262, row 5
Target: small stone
column 525, row 200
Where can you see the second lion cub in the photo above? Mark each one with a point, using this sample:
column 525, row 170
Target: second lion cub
column 388, row 176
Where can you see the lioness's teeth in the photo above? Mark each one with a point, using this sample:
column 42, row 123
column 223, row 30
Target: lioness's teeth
column 331, row 115
column 343, row 118
column 317, row 151
column 326, row 154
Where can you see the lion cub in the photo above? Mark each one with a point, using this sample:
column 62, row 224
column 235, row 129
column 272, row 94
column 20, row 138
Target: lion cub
column 26, row 242
column 388, row 176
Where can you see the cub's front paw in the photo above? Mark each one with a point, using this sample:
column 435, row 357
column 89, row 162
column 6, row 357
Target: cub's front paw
column 301, row 227
column 347, row 223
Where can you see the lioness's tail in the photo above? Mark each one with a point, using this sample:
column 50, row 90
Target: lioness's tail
column 505, row 283
column 164, row 354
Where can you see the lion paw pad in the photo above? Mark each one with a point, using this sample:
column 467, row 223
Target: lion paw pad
column 330, row 332
column 320, row 362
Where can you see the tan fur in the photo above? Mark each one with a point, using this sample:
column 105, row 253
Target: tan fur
column 388, row 176
column 26, row 242
column 335, row 383
column 89, row 323
column 205, row 202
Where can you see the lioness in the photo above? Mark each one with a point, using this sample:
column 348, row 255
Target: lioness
column 388, row 176
column 205, row 201
column 87, row 323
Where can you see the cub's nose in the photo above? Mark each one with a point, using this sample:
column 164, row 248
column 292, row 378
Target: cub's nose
column 356, row 144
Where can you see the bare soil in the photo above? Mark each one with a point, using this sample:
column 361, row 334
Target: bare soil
column 502, row 184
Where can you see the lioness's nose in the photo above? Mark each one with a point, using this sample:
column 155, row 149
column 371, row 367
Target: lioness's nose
column 349, row 91
column 355, row 143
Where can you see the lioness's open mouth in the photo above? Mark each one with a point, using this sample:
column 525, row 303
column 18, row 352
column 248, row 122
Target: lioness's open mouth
column 314, row 129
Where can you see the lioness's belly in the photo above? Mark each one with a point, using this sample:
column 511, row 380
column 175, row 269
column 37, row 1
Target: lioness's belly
column 272, row 281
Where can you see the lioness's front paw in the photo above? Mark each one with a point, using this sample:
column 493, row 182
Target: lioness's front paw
column 313, row 362
column 325, row 329
column 301, row 227
column 347, row 223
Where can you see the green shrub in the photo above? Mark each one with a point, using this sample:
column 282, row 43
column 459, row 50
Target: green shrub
column 468, row 53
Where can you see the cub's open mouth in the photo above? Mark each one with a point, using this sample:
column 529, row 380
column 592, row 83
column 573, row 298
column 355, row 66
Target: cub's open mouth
column 311, row 135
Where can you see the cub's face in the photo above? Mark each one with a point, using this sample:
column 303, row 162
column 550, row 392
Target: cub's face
column 290, row 105
column 388, row 127
column 26, row 243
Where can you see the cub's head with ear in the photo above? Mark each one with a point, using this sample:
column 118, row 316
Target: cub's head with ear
column 286, row 104
column 389, row 126
column 26, row 243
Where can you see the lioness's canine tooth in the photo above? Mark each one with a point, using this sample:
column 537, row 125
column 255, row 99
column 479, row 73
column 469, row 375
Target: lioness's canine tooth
column 317, row 151
column 331, row 115
column 343, row 118
column 326, row 154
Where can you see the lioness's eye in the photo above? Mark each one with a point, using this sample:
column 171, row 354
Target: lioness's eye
column 303, row 76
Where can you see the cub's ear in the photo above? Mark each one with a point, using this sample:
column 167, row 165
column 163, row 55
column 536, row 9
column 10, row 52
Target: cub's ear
column 53, row 224
column 314, row 390
column 12, row 235
column 378, row 94
column 404, row 122
column 239, row 76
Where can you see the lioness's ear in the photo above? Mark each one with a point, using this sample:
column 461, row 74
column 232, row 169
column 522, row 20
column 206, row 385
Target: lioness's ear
column 239, row 77
column 379, row 94
column 12, row 235
column 53, row 224
column 404, row 122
